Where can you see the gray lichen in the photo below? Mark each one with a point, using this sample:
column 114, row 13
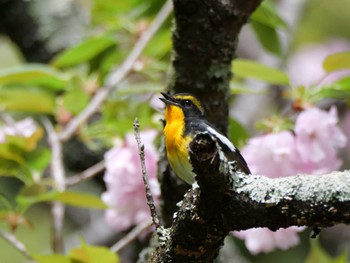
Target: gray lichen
column 315, row 188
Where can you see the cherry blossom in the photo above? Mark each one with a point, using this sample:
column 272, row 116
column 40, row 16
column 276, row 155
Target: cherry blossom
column 283, row 238
column 312, row 149
column 318, row 140
column 277, row 150
column 125, row 193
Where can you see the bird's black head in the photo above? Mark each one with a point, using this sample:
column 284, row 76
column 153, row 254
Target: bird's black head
column 189, row 104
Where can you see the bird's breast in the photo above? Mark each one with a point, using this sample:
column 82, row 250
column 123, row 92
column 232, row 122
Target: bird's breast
column 177, row 150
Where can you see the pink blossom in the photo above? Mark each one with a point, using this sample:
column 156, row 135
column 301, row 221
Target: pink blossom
column 318, row 139
column 346, row 129
column 24, row 128
column 312, row 149
column 305, row 67
column 259, row 240
column 272, row 155
column 125, row 193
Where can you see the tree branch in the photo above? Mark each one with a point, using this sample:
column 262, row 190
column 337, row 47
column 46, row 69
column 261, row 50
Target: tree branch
column 227, row 200
column 118, row 75
column 58, row 175
column 131, row 236
column 12, row 239
column 86, row 174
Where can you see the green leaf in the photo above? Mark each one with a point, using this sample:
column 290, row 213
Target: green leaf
column 32, row 194
column 11, row 153
column 83, row 52
column 5, row 204
column 238, row 88
column 266, row 14
column 337, row 61
column 268, row 37
column 336, row 90
column 318, row 255
column 75, row 100
column 33, row 75
column 244, row 68
column 117, row 118
column 27, row 100
column 36, row 193
column 265, row 23
column 332, row 93
column 160, row 45
column 54, row 258
column 93, row 254
column 237, row 133
column 9, row 168
column 343, row 83
column 38, row 159
column 84, row 254
column 16, row 155
column 25, row 143
column 81, row 200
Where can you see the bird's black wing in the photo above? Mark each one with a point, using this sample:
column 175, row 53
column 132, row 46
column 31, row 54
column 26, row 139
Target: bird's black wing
column 230, row 151
column 236, row 156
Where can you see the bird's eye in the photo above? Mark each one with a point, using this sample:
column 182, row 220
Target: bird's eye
column 188, row 102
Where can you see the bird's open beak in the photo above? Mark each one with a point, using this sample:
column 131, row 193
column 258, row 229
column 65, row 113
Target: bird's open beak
column 168, row 100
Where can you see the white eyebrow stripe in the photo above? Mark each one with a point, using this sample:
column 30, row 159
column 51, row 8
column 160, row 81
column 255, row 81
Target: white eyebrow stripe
column 224, row 139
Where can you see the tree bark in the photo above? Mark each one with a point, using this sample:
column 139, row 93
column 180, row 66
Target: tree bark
column 204, row 38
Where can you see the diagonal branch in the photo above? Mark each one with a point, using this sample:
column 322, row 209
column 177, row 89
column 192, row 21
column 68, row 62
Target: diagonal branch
column 86, row 174
column 118, row 75
column 131, row 236
column 12, row 239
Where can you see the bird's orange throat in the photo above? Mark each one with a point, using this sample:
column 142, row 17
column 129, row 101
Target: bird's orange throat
column 173, row 113
column 174, row 127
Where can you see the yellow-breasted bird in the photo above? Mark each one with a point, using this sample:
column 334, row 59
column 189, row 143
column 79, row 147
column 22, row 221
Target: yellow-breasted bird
column 184, row 118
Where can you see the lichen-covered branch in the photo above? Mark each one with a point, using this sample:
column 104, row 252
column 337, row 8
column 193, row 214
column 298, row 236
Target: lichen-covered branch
column 311, row 200
column 228, row 200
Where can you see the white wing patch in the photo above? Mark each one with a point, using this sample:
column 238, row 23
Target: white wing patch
column 222, row 138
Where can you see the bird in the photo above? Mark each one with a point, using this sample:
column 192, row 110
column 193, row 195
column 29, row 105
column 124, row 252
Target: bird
column 184, row 118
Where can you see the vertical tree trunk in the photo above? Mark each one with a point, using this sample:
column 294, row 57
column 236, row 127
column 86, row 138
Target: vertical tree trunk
column 205, row 38
column 204, row 43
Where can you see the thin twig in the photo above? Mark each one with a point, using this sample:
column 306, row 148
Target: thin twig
column 118, row 75
column 149, row 196
column 131, row 236
column 12, row 239
column 87, row 174
column 58, row 175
